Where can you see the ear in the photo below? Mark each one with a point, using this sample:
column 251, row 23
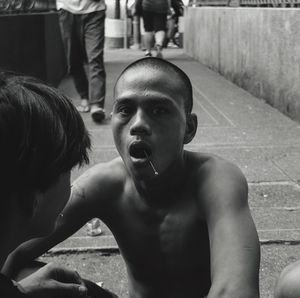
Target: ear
column 191, row 128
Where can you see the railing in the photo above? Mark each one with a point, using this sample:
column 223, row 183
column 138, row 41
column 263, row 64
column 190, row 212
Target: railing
column 26, row 6
column 271, row 3
column 249, row 3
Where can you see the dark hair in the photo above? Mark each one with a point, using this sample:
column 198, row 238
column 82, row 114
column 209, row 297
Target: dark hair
column 165, row 66
column 41, row 135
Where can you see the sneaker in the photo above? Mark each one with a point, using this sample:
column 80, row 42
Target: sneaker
column 148, row 54
column 84, row 106
column 97, row 113
column 158, row 51
column 93, row 227
column 100, row 284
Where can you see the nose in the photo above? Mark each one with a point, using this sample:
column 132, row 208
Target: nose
column 140, row 124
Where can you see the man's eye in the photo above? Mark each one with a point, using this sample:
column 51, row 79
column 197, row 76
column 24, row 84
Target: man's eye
column 124, row 111
column 159, row 111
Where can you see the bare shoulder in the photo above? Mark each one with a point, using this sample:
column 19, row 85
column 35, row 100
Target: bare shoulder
column 219, row 181
column 210, row 164
column 101, row 180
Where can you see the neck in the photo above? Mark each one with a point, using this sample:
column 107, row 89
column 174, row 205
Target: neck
column 165, row 186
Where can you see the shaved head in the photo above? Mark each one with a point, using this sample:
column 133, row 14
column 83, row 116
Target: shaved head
column 171, row 70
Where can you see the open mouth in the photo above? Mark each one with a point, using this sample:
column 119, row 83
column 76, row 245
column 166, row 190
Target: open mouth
column 139, row 151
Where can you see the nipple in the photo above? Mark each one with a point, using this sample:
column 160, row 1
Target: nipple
column 151, row 164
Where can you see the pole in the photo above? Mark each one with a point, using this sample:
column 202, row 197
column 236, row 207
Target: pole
column 117, row 9
column 136, row 32
column 125, row 26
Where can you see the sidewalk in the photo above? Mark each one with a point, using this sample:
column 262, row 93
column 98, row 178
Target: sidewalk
column 264, row 143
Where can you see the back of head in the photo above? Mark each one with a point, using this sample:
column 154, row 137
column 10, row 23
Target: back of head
column 171, row 70
column 41, row 135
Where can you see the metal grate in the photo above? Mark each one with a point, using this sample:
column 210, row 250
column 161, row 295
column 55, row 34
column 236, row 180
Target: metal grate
column 248, row 3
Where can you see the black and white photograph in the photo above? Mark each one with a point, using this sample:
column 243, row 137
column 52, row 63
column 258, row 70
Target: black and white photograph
column 150, row 148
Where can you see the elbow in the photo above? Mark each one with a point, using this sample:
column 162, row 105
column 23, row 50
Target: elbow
column 288, row 283
column 11, row 264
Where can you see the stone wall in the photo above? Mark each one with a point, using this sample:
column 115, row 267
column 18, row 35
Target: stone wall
column 256, row 48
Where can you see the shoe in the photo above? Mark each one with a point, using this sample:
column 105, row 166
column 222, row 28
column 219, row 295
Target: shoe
column 93, row 227
column 84, row 106
column 100, row 284
column 97, row 113
column 158, row 51
column 148, row 54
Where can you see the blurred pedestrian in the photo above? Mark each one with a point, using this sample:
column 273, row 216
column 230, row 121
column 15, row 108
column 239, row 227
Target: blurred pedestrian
column 172, row 23
column 82, row 28
column 154, row 13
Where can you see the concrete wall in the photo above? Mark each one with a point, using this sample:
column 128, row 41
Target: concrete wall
column 256, row 48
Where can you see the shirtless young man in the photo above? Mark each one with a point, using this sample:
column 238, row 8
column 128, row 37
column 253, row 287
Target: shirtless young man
column 181, row 219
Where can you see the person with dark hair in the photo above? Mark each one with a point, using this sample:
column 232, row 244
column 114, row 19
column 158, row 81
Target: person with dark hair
column 181, row 218
column 82, row 29
column 42, row 138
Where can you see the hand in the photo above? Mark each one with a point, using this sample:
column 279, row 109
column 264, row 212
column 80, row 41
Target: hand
column 52, row 281
column 136, row 9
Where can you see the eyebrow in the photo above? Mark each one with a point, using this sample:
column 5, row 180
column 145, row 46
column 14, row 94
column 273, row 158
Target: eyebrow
column 150, row 99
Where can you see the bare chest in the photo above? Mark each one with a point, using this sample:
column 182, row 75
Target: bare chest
column 170, row 244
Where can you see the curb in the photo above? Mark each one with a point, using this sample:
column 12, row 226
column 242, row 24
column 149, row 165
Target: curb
column 114, row 249
column 72, row 250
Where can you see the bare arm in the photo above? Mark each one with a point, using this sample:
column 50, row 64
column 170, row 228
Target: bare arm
column 235, row 250
column 75, row 214
column 92, row 196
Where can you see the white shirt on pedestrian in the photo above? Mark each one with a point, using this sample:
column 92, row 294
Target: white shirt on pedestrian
column 81, row 6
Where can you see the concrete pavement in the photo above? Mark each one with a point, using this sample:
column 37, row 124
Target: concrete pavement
column 233, row 124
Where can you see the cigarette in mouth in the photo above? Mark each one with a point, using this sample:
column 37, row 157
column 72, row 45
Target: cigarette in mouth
column 151, row 164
